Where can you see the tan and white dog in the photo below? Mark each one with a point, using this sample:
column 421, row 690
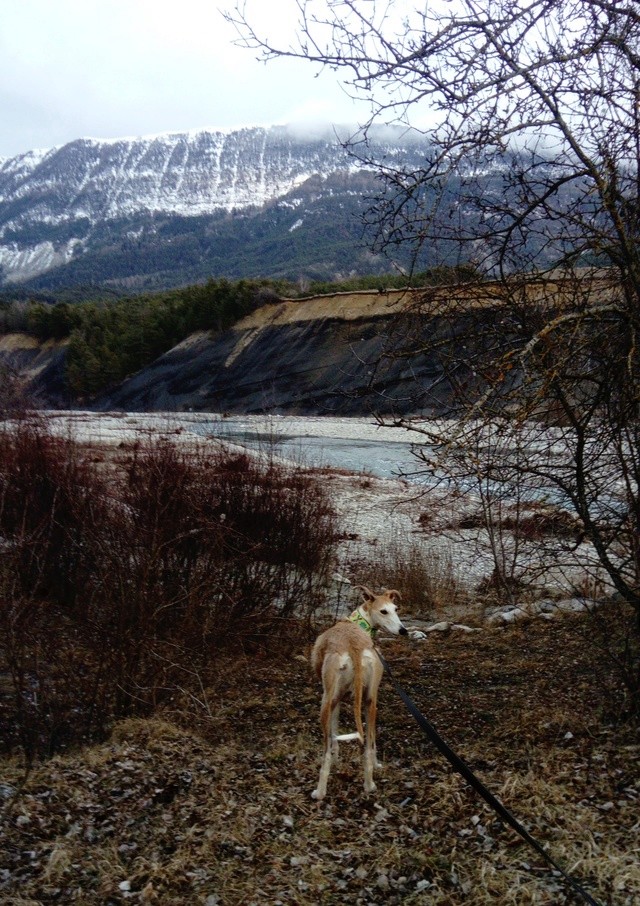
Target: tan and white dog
column 344, row 658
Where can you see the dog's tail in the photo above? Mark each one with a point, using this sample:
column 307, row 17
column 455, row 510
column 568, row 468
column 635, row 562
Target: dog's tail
column 356, row 657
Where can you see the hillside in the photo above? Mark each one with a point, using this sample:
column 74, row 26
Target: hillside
column 344, row 353
column 37, row 367
column 146, row 214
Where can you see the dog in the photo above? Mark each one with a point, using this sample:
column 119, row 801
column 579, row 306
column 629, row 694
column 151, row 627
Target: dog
column 344, row 658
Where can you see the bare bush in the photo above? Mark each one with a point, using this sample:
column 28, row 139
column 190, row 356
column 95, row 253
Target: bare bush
column 112, row 591
column 208, row 552
column 51, row 502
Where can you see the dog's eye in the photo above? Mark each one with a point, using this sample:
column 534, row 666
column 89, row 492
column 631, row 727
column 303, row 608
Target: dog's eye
column 385, row 611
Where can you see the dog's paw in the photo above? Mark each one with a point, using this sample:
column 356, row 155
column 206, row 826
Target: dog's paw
column 370, row 787
column 317, row 795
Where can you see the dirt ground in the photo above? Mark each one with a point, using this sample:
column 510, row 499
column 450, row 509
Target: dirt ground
column 209, row 801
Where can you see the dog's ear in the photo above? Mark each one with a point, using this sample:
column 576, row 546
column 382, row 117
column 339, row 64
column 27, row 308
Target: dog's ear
column 393, row 594
column 367, row 594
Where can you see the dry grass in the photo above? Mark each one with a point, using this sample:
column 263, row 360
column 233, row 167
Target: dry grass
column 425, row 576
column 214, row 807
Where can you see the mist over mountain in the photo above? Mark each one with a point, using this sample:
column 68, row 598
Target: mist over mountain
column 160, row 211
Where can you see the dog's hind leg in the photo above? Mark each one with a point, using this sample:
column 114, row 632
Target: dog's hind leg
column 369, row 751
column 370, row 758
column 327, row 712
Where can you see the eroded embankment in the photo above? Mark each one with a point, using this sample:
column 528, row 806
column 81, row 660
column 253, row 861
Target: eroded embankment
column 343, row 353
column 332, row 354
column 38, row 367
column 312, row 355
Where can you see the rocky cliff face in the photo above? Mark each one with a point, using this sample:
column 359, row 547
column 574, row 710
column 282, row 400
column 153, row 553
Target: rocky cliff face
column 57, row 205
column 317, row 356
column 341, row 354
column 326, row 355
column 32, row 373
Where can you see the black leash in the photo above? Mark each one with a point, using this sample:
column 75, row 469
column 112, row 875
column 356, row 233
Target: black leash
column 462, row 768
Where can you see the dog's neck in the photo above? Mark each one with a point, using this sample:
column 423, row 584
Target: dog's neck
column 360, row 620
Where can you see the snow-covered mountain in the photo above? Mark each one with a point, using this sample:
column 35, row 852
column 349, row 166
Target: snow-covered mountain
column 58, row 205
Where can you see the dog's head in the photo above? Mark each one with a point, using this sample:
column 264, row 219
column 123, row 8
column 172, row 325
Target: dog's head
column 381, row 610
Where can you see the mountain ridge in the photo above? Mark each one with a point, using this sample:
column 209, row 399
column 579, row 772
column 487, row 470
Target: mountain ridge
column 56, row 205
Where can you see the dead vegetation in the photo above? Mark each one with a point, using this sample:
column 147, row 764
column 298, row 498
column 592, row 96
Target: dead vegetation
column 427, row 578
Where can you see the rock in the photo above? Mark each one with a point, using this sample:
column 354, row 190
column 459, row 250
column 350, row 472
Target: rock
column 7, row 791
column 545, row 607
column 442, row 626
column 573, row 605
column 512, row 616
column 338, row 577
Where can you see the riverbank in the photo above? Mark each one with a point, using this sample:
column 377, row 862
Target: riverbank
column 383, row 516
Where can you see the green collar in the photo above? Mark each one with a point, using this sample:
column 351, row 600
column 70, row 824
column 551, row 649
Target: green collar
column 363, row 623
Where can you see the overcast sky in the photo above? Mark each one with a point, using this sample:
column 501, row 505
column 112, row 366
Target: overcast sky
column 118, row 68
